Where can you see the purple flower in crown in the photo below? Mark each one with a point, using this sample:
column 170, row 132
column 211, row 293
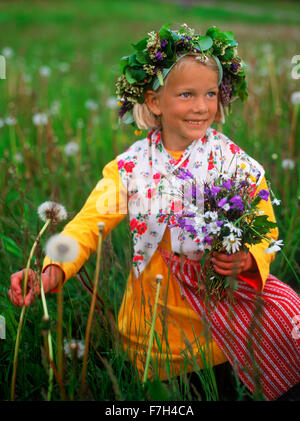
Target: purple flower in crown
column 163, row 43
column 237, row 202
column 264, row 194
column 158, row 56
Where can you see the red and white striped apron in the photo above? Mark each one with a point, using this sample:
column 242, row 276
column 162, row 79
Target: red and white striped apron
column 255, row 332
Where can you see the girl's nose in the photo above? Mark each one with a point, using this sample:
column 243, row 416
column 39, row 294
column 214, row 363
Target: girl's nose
column 200, row 105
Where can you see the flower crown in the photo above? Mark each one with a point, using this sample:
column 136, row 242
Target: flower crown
column 156, row 54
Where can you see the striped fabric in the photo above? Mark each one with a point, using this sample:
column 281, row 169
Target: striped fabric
column 255, row 331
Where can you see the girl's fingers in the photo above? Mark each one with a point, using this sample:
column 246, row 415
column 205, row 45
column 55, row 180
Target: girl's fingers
column 15, row 293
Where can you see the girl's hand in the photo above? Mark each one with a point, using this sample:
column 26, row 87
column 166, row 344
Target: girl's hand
column 49, row 278
column 234, row 264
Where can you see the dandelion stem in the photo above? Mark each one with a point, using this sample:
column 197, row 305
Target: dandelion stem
column 91, row 312
column 17, row 344
column 49, row 337
column 158, row 280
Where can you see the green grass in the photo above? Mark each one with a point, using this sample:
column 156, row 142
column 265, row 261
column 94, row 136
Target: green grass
column 91, row 37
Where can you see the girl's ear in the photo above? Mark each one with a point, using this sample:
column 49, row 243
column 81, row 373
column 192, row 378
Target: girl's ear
column 152, row 101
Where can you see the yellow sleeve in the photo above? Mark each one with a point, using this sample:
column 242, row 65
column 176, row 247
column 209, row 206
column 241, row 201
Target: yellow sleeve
column 263, row 260
column 107, row 203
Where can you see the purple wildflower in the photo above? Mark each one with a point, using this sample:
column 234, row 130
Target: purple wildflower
column 264, row 194
column 208, row 240
column 227, row 184
column 237, row 202
column 184, row 174
column 222, row 202
column 163, row 43
column 219, row 223
column 215, row 190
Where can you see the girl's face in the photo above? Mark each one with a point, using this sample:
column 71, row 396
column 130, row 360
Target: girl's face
column 187, row 103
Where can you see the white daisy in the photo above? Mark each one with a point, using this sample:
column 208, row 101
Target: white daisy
column 212, row 215
column 52, row 210
column 231, row 243
column 233, row 229
column 213, row 228
column 62, row 248
column 276, row 202
column 274, row 246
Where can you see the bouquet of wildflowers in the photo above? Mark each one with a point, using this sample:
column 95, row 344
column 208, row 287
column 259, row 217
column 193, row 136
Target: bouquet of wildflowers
column 220, row 216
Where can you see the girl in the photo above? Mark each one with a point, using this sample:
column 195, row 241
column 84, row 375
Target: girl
column 177, row 84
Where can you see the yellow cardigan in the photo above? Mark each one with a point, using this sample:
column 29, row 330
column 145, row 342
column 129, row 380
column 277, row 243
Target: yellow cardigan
column 181, row 343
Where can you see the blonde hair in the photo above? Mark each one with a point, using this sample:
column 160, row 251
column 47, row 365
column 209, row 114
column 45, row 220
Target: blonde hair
column 146, row 120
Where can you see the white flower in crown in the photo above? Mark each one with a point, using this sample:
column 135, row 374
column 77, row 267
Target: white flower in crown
column 234, row 229
column 62, row 248
column 231, row 243
column 52, row 210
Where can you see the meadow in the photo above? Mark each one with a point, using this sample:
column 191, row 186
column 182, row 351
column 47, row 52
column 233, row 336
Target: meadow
column 59, row 127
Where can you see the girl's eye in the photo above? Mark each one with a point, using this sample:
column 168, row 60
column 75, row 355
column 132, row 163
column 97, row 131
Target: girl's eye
column 185, row 94
column 213, row 93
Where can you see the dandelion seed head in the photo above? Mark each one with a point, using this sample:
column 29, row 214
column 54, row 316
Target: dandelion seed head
column 91, row 105
column 74, row 345
column 40, row 119
column 112, row 103
column 288, row 164
column 295, row 98
column 62, row 248
column 71, row 148
column 18, row 157
column 45, row 71
column 7, row 52
column 274, row 156
column 10, row 121
column 52, row 210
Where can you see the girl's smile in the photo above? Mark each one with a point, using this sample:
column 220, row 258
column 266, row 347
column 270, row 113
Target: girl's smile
column 187, row 103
